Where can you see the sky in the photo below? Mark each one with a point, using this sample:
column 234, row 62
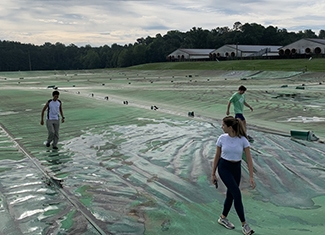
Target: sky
column 105, row 22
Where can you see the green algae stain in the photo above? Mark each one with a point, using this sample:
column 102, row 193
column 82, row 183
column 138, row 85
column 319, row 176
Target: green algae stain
column 68, row 221
column 86, row 197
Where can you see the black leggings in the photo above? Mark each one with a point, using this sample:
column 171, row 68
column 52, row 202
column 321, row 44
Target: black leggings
column 230, row 174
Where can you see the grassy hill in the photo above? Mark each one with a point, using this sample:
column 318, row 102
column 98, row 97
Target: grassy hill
column 315, row 65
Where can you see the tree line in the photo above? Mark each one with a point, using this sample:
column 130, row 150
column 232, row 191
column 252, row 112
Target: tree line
column 15, row 56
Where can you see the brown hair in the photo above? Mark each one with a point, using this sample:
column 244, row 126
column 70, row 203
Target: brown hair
column 236, row 125
column 242, row 88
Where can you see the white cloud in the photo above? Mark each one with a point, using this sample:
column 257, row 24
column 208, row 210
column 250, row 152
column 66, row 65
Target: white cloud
column 100, row 22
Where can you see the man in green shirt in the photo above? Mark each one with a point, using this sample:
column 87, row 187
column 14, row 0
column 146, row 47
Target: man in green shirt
column 238, row 100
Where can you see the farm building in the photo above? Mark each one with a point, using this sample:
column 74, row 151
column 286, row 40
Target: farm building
column 234, row 50
column 190, row 54
column 302, row 47
column 305, row 46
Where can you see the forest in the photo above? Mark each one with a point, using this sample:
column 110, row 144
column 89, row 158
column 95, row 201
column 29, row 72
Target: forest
column 16, row 56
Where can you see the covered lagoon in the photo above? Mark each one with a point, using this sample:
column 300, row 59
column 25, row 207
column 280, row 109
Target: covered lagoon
column 125, row 166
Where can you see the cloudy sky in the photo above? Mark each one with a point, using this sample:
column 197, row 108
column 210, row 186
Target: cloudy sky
column 104, row 22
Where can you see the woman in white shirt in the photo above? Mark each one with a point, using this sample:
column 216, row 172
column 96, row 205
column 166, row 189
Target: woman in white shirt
column 230, row 148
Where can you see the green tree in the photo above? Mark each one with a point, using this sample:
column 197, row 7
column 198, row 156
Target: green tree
column 196, row 38
column 308, row 33
column 139, row 54
column 270, row 36
column 321, row 34
column 237, row 26
column 251, row 34
column 91, row 60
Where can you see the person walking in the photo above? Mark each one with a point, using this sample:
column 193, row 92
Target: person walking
column 238, row 100
column 54, row 110
column 228, row 157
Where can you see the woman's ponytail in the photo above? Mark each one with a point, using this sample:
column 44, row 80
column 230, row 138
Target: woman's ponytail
column 236, row 124
column 241, row 129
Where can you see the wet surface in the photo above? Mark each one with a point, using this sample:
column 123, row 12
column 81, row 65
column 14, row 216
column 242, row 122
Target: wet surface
column 127, row 169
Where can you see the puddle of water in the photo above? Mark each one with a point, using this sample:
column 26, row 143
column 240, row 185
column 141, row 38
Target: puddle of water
column 153, row 176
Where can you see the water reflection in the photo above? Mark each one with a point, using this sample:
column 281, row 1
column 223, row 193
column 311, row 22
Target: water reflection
column 152, row 177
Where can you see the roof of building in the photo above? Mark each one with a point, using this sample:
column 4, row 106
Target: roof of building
column 252, row 48
column 194, row 51
column 315, row 40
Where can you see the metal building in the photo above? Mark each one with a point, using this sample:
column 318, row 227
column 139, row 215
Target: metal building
column 239, row 51
column 190, row 54
column 305, row 46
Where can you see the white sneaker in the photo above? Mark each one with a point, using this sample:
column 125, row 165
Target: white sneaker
column 247, row 230
column 225, row 222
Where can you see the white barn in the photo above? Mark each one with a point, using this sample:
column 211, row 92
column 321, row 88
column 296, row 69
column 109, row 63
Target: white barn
column 190, row 54
column 305, row 46
column 234, row 50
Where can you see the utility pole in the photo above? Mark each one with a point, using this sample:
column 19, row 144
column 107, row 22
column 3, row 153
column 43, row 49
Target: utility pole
column 237, row 50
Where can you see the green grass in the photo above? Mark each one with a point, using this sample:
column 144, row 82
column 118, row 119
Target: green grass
column 315, row 65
